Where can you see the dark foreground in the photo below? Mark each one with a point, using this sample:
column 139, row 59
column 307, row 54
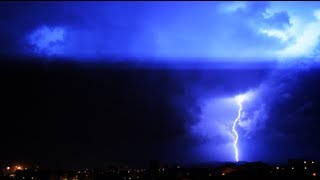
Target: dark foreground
column 296, row 168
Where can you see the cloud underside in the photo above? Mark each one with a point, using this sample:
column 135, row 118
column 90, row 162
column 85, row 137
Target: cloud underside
column 219, row 29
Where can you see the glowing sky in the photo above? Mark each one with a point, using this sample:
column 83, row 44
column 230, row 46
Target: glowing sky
column 162, row 29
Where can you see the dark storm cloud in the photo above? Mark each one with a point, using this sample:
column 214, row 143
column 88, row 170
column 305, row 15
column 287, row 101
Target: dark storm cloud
column 288, row 120
column 144, row 29
column 89, row 114
column 99, row 113
column 207, row 108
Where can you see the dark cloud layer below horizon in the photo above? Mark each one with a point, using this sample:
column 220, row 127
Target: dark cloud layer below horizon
column 67, row 115
column 71, row 112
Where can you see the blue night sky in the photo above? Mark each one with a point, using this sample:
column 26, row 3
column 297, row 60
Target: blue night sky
column 266, row 51
column 161, row 29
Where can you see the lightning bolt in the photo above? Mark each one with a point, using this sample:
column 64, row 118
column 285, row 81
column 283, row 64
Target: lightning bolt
column 239, row 100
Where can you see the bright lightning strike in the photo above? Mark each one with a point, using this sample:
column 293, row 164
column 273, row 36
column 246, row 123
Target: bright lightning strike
column 239, row 100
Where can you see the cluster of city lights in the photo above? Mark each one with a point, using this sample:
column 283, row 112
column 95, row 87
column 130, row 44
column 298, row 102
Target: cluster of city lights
column 14, row 168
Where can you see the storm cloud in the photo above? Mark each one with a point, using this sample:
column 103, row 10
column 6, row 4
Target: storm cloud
column 160, row 78
column 139, row 30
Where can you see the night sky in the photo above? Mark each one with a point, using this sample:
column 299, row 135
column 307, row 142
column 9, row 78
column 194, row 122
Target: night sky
column 87, row 84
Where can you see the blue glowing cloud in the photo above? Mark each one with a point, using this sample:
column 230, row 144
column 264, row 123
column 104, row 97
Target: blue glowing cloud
column 168, row 29
column 47, row 40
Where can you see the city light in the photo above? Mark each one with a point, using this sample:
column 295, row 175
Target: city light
column 135, row 172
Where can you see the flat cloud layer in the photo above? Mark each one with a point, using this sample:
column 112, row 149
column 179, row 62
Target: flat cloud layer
column 159, row 29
